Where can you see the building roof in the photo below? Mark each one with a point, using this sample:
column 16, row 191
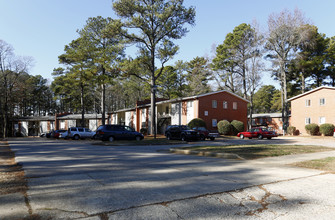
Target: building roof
column 267, row 115
column 311, row 91
column 78, row 116
column 192, row 97
column 37, row 118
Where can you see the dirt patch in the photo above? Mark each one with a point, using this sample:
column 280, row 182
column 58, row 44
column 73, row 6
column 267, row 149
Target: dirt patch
column 12, row 178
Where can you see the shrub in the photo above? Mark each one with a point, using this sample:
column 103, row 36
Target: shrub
column 312, row 129
column 291, row 130
column 144, row 131
column 196, row 122
column 327, row 129
column 237, row 126
column 224, row 127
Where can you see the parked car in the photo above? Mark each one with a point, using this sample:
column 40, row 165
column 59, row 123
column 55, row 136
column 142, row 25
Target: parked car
column 55, row 134
column 117, row 132
column 78, row 132
column 206, row 134
column 259, row 133
column 64, row 135
column 181, row 132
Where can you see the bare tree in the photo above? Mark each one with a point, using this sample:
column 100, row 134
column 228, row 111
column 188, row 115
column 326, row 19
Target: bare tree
column 284, row 36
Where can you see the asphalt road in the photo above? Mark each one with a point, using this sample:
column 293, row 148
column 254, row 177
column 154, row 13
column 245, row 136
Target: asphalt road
column 78, row 180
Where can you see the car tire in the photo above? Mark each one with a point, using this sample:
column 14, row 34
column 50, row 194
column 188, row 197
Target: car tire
column 138, row 138
column 202, row 137
column 168, row 137
column 260, row 136
column 242, row 136
column 212, row 138
column 76, row 137
column 111, row 139
column 183, row 138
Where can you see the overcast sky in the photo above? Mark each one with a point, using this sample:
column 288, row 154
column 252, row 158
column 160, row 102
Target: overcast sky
column 41, row 28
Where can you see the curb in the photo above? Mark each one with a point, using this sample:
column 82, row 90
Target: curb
column 207, row 154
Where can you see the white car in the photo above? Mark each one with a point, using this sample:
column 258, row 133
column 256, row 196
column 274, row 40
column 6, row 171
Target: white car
column 77, row 133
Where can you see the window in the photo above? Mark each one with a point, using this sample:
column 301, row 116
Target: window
column 322, row 101
column 189, row 104
column 225, row 104
column 308, row 102
column 167, row 109
column 214, row 104
column 322, row 120
column 206, row 113
column 214, row 123
column 235, row 105
column 307, row 121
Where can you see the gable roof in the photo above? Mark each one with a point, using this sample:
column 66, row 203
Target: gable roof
column 311, row 91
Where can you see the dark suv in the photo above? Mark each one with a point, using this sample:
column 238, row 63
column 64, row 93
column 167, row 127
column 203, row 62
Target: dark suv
column 181, row 132
column 117, row 132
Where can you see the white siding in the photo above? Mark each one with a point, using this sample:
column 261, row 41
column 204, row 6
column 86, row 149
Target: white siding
column 176, row 113
column 43, row 127
column 24, row 128
column 128, row 119
column 190, row 111
column 71, row 123
column 93, row 124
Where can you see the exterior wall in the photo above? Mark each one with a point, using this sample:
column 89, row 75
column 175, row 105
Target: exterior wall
column 184, row 113
column 130, row 118
column 93, row 124
column 196, row 108
column 43, row 127
column 190, row 111
column 176, row 113
column 271, row 122
column 24, row 128
column 208, row 113
column 299, row 110
column 70, row 123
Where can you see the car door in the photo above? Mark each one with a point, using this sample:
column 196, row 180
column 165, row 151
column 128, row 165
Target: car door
column 254, row 132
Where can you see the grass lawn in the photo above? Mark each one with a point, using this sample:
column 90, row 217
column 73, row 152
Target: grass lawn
column 326, row 164
column 261, row 150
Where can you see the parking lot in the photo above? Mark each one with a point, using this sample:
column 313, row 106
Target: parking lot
column 79, row 180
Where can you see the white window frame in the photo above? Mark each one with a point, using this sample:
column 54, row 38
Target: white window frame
column 322, row 101
column 234, row 105
column 307, row 102
column 214, row 123
column 225, row 105
column 308, row 121
column 214, row 104
column 322, row 120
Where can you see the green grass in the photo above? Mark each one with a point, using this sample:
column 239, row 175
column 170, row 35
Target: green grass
column 326, row 164
column 260, row 150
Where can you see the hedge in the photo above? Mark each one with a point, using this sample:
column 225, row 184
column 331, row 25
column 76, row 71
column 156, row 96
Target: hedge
column 237, row 126
column 312, row 129
column 196, row 122
column 224, row 127
column 291, row 130
column 327, row 129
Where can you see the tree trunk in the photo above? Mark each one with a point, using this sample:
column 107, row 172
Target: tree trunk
column 82, row 107
column 103, row 100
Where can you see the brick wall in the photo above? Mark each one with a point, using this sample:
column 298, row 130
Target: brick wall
column 299, row 110
column 219, row 113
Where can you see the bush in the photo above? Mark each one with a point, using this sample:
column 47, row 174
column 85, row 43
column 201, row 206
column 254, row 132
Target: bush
column 291, row 130
column 327, row 129
column 312, row 129
column 144, row 131
column 196, row 122
column 237, row 126
column 224, row 127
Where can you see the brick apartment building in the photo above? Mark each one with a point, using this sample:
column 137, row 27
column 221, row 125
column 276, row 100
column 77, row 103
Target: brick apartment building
column 211, row 107
column 315, row 106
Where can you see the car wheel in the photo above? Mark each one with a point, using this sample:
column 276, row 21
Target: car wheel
column 76, row 137
column 212, row 138
column 183, row 138
column 111, row 139
column 242, row 136
column 168, row 137
column 202, row 137
column 269, row 138
column 138, row 138
column 260, row 136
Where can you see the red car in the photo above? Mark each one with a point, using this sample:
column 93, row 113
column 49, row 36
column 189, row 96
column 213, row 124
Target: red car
column 259, row 133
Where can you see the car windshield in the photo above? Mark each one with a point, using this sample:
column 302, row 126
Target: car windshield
column 184, row 127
